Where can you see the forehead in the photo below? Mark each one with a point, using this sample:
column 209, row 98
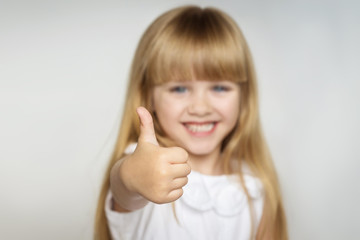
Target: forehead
column 212, row 74
column 192, row 70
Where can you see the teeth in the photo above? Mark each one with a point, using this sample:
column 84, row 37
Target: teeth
column 200, row 127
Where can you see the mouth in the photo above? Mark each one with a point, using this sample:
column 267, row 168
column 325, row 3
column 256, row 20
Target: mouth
column 200, row 128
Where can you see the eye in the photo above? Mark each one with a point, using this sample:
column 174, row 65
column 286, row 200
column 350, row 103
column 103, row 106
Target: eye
column 221, row 88
column 178, row 89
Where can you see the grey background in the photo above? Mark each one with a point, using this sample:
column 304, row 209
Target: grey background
column 63, row 71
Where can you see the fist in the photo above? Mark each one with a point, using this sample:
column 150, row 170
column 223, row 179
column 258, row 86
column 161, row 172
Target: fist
column 156, row 173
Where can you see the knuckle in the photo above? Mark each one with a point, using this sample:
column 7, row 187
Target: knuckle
column 162, row 156
column 162, row 188
column 163, row 172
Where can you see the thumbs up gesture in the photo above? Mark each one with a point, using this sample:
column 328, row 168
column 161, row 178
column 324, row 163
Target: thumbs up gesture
column 156, row 173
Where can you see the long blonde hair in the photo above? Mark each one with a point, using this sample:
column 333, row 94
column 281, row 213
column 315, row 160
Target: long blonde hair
column 194, row 43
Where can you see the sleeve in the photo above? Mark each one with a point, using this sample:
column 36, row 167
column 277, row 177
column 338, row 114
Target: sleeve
column 122, row 225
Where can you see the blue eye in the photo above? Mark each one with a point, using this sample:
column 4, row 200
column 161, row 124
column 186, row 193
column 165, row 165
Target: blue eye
column 219, row 88
column 178, row 89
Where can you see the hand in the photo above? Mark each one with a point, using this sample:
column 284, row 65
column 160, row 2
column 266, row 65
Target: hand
column 156, row 173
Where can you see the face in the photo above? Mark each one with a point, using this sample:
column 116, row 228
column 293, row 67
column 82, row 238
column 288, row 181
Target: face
column 197, row 115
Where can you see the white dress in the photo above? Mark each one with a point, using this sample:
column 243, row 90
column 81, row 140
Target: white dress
column 212, row 207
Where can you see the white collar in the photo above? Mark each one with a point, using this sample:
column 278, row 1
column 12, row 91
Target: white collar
column 222, row 194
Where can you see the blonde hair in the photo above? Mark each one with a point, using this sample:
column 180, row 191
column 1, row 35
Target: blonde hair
column 194, row 43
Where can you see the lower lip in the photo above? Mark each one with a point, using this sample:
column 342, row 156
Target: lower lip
column 201, row 134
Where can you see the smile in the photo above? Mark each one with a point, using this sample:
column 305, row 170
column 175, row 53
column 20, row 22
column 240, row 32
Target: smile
column 200, row 128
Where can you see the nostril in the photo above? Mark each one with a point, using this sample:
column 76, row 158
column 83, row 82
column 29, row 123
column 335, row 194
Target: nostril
column 199, row 109
column 199, row 103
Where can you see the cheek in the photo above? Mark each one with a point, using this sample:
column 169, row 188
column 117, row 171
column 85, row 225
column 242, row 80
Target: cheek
column 232, row 114
column 159, row 103
column 166, row 111
column 167, row 106
column 229, row 108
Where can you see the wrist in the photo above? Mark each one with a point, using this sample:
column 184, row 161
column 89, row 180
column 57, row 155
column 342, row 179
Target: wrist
column 120, row 185
column 123, row 170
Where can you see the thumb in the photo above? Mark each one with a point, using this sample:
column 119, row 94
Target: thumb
column 147, row 131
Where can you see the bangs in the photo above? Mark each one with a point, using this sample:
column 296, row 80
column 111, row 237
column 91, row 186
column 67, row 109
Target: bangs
column 198, row 45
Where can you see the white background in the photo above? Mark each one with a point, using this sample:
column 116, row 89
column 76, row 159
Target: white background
column 63, row 71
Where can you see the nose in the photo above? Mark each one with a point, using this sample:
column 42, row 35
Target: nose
column 199, row 104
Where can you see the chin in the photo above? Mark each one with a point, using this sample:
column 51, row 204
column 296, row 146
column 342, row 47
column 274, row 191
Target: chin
column 201, row 150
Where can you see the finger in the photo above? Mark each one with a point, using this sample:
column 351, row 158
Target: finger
column 175, row 194
column 179, row 155
column 179, row 182
column 180, row 170
column 147, row 131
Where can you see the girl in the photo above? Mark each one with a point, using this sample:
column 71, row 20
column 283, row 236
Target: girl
column 198, row 166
